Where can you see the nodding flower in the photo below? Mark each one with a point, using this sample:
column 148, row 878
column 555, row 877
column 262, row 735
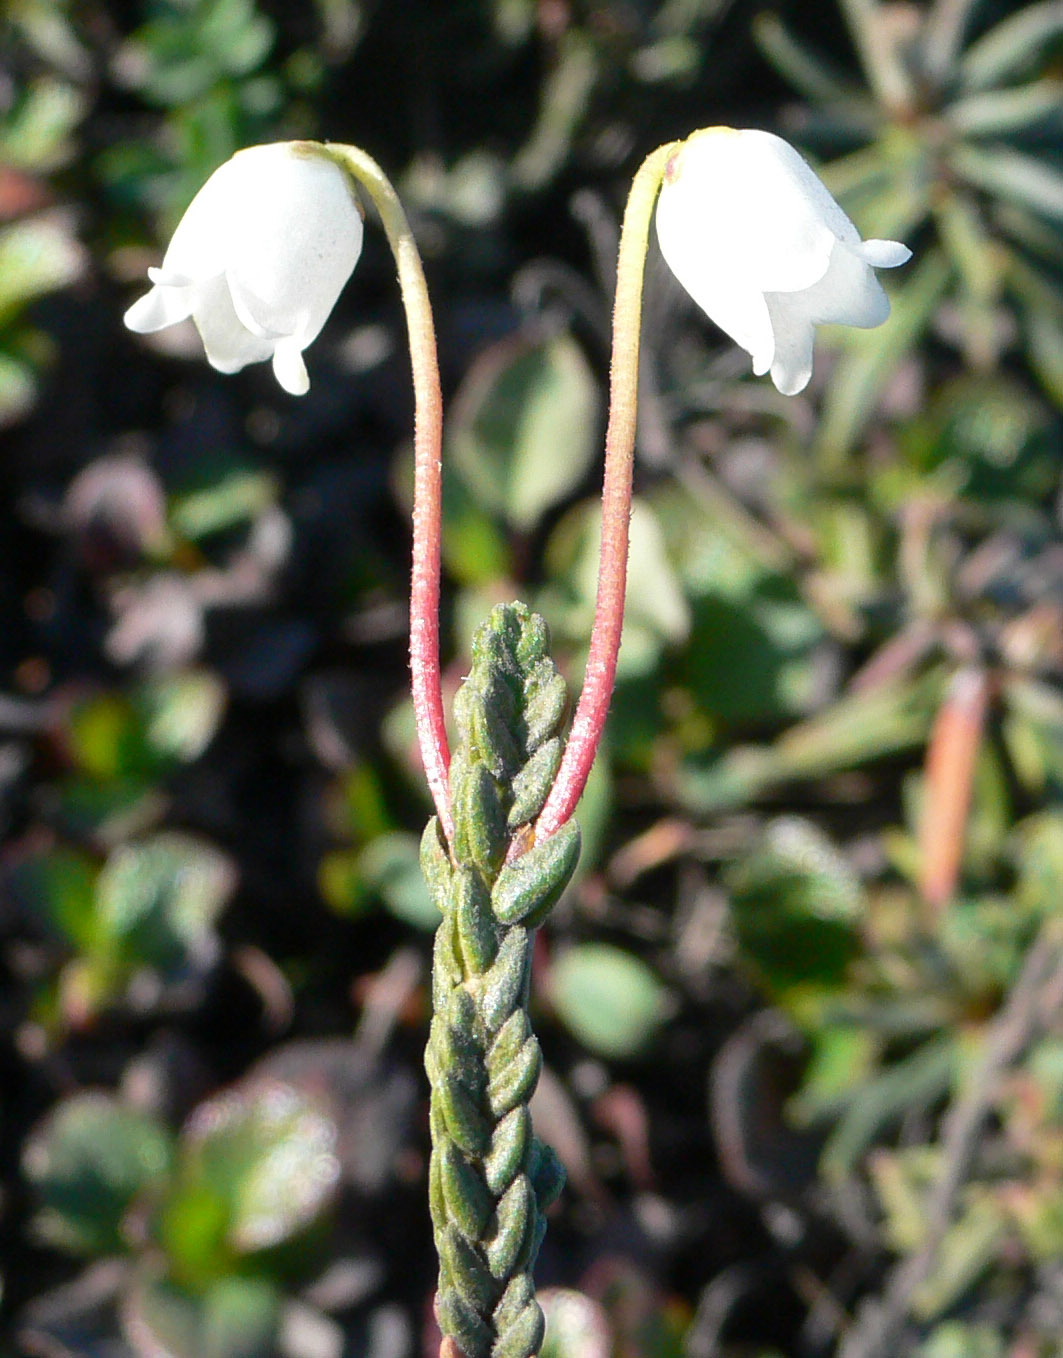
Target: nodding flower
column 759, row 243
column 259, row 259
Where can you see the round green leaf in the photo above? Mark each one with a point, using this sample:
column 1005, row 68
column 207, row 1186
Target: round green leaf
column 87, row 1161
column 265, row 1156
column 235, row 1317
column 391, row 866
column 524, row 430
column 609, row 999
column 158, row 899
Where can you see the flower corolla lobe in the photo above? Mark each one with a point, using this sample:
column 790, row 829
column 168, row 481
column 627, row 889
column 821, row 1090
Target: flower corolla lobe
column 759, row 243
column 259, row 259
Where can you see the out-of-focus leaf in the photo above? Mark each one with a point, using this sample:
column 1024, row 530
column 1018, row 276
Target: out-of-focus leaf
column 524, row 430
column 342, row 884
column 842, row 1057
column 1042, row 317
column 670, row 60
column 609, row 999
column 656, row 612
column 871, row 357
column 255, row 1167
column 985, row 938
column 18, row 388
column 1000, row 170
column 1013, row 47
column 107, row 812
column 802, row 67
column 234, row 1317
column 36, row 131
column 997, row 112
column 474, row 546
column 1045, row 1064
column 968, row 1250
column 88, row 1161
column 796, row 905
column 955, row 1339
column 1039, row 1217
column 105, row 738
column 182, row 712
column 912, row 1082
column 563, row 101
column 157, row 900
column 880, row 53
column 59, row 887
column 979, row 261
column 36, row 257
column 1033, row 732
column 231, row 500
column 514, row 20
column 902, row 1182
column 857, row 728
column 471, row 192
column 1038, row 857
column 576, row 1326
column 49, row 31
column 992, row 429
column 179, row 55
column 749, row 657
column 390, row 866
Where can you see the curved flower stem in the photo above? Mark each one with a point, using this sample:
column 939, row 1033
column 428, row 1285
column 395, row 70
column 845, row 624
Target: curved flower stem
column 428, row 476
column 600, row 673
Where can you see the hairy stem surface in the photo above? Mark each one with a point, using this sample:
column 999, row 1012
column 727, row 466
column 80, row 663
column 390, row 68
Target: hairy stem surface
column 600, row 675
column 428, row 475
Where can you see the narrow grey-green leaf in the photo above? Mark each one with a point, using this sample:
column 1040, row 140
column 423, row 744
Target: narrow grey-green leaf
column 529, row 887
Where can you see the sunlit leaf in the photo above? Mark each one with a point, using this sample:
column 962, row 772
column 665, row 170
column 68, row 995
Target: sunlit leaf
column 36, row 257
column 609, row 999
column 255, row 1166
column 524, row 431
column 1013, row 48
column 997, row 169
column 795, row 903
column 158, row 899
column 88, row 1161
column 234, row 1317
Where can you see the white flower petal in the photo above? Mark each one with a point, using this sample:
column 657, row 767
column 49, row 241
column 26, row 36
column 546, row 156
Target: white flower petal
column 885, row 254
column 750, row 199
column 289, row 368
column 795, row 335
column 229, row 344
column 163, row 279
column 728, row 300
column 249, row 308
column 848, row 294
column 161, row 307
column 297, row 269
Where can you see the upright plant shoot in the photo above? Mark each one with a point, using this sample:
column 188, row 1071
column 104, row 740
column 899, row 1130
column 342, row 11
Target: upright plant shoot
column 258, row 262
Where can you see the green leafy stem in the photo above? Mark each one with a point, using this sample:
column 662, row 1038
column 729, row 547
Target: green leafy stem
column 491, row 1179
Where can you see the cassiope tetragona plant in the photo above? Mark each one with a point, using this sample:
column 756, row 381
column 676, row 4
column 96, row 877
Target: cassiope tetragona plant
column 257, row 263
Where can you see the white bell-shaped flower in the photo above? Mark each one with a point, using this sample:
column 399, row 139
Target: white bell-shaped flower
column 259, row 259
column 759, row 243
